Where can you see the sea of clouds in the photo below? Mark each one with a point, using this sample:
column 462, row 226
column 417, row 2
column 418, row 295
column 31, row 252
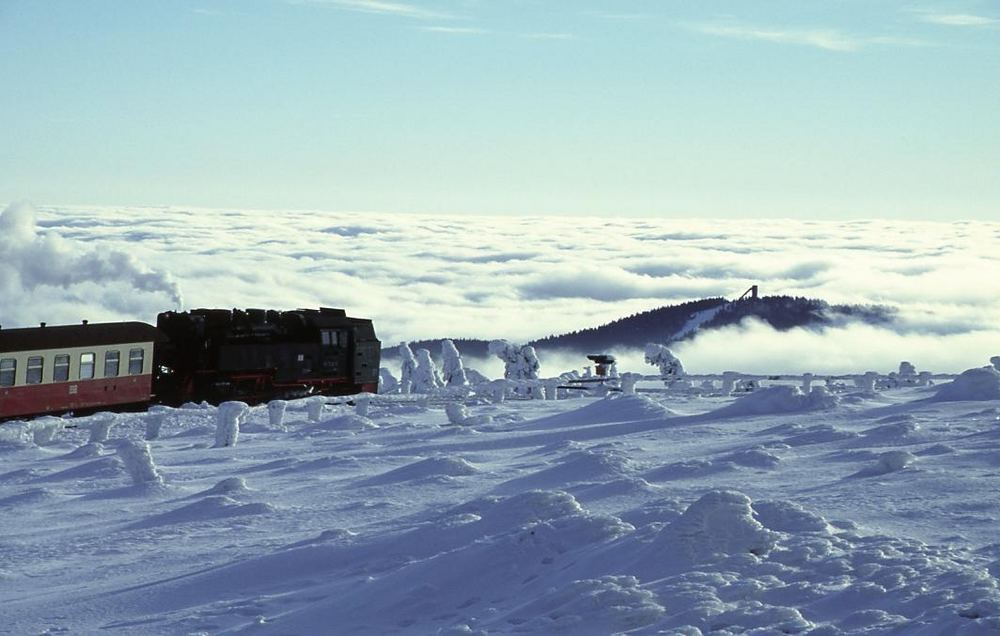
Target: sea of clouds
column 518, row 277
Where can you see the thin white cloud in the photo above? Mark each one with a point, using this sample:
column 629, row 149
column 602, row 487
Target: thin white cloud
column 829, row 40
column 455, row 30
column 957, row 19
column 826, row 39
column 548, row 36
column 381, row 7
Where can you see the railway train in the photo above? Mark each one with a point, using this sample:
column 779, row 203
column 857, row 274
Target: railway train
column 212, row 355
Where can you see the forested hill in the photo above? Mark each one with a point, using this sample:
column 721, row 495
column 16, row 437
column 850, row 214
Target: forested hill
column 677, row 322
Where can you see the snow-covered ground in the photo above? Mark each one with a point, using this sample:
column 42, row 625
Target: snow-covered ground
column 651, row 513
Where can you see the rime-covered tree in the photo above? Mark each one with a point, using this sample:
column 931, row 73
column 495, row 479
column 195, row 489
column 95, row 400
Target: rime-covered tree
column 452, row 369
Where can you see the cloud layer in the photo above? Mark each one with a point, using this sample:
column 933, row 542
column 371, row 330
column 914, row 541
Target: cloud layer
column 513, row 277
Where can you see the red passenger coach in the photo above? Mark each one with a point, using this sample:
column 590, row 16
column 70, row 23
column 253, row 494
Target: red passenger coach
column 75, row 368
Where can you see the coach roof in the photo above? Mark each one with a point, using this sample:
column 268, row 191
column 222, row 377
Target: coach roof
column 72, row 336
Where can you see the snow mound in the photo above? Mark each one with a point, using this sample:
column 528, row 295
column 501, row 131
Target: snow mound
column 229, row 486
column 890, row 462
column 754, row 458
column 349, row 422
column 689, row 469
column 972, row 384
column 613, row 408
column 779, row 399
column 205, row 510
column 586, row 466
column 720, row 523
column 425, row 469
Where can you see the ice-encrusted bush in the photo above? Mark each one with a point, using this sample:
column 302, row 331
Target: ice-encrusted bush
column 138, row 461
column 276, row 412
column 973, row 384
column 228, row 418
column 100, row 428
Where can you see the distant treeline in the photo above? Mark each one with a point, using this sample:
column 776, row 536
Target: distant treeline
column 663, row 324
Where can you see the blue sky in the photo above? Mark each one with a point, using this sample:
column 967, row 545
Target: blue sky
column 839, row 109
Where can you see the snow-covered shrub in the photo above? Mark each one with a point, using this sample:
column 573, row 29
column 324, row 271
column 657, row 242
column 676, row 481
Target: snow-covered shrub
column 407, row 368
column 138, row 462
column 807, row 380
column 629, row 381
column 362, row 404
column 43, row 430
column 907, row 370
column 498, row 390
column 228, row 418
column 276, row 412
column 427, row 378
column 452, row 369
column 729, row 380
column 314, row 408
column 387, row 382
column 866, row 382
column 457, row 413
column 154, row 422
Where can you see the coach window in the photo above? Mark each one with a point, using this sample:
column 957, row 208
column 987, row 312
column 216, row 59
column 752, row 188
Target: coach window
column 135, row 361
column 8, row 368
column 86, row 366
column 60, row 368
column 328, row 338
column 35, row 366
column 111, row 363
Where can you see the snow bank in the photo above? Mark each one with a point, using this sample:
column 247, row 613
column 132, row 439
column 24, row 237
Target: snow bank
column 779, row 399
column 973, row 384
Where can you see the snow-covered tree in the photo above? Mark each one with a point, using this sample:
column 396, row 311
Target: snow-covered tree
column 520, row 363
column 452, row 369
column 407, row 367
column 426, row 378
column 661, row 357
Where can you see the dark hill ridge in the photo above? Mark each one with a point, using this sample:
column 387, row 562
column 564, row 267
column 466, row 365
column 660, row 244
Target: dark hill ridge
column 667, row 324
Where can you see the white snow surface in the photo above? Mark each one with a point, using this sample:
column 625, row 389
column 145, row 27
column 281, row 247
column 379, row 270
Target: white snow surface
column 778, row 512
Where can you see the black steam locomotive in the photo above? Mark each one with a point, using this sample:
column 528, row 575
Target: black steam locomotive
column 214, row 355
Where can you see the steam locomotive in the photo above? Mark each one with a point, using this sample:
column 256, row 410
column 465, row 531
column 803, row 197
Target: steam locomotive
column 212, row 355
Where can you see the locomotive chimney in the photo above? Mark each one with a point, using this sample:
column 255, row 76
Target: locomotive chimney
column 42, row 324
column 85, row 321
